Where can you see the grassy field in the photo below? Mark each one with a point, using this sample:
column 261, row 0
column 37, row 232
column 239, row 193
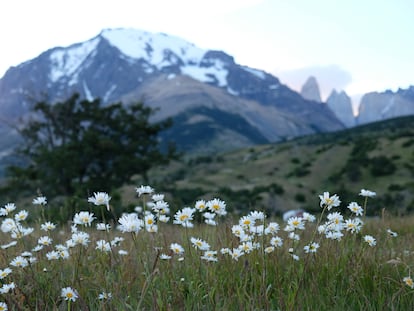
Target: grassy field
column 153, row 259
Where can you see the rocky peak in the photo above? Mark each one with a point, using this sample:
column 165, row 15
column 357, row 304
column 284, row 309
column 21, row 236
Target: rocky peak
column 310, row 90
column 340, row 103
column 377, row 106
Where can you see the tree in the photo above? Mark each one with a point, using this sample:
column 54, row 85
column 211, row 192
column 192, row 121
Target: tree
column 79, row 144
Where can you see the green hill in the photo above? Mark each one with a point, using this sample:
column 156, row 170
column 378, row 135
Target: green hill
column 291, row 175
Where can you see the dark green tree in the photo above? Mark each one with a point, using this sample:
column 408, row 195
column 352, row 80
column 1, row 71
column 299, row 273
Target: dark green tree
column 78, row 145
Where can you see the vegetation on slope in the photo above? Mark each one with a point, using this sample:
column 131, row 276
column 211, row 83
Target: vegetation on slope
column 289, row 175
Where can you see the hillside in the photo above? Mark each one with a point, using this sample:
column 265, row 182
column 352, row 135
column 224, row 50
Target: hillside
column 290, row 175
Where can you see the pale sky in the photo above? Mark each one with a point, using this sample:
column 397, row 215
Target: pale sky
column 354, row 45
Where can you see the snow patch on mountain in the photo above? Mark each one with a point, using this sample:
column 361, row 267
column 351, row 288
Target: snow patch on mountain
column 257, row 73
column 152, row 47
column 65, row 61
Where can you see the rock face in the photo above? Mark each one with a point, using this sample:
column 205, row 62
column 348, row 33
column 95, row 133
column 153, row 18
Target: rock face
column 380, row 106
column 310, row 90
column 340, row 103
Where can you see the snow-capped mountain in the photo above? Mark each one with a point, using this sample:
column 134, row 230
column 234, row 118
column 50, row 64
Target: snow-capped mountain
column 205, row 91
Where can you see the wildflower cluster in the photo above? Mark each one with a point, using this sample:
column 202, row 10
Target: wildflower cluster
column 253, row 233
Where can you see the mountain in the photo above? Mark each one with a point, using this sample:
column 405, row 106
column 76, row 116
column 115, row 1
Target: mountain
column 310, row 90
column 377, row 106
column 340, row 103
column 205, row 91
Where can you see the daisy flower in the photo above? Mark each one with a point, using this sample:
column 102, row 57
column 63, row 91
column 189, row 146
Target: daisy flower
column 256, row 215
column 69, row 294
column 272, row 228
column 79, row 238
column 44, row 240
column 308, row 217
column 177, row 248
column 296, row 223
column 184, row 217
column 7, row 209
column 210, row 256
column 217, row 206
column 209, row 219
column 246, row 221
column 144, row 190
column 236, row 253
column 200, row 205
column 163, row 218
column 408, row 281
column 355, row 208
column 130, row 223
column 246, row 247
column 157, row 197
column 370, row 240
column 7, row 288
column 105, row 296
column 237, row 230
column 4, row 273
column 103, row 246
column 40, row 200
column 149, row 220
column 276, row 241
column 3, row 306
column 52, row 255
column 311, row 248
column 392, row 233
column 21, row 216
column 367, row 193
column 19, row 262
column 48, row 226
column 353, row 225
column 161, row 207
column 83, row 218
column 103, row 227
column 165, row 257
column 200, row 244
column 100, row 198
column 329, row 201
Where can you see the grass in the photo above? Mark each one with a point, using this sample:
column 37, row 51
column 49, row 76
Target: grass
column 246, row 269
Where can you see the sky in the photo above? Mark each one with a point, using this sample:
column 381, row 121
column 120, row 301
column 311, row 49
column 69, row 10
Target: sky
column 351, row 45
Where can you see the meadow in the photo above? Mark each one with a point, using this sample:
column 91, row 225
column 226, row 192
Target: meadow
column 203, row 258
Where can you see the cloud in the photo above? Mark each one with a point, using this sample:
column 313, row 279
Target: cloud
column 329, row 77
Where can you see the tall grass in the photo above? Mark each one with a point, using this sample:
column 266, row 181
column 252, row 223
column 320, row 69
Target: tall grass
column 312, row 262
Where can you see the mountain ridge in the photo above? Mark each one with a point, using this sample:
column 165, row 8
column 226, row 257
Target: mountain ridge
column 118, row 63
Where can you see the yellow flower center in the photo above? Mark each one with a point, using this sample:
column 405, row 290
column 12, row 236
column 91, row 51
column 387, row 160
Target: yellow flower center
column 216, row 207
column 183, row 217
